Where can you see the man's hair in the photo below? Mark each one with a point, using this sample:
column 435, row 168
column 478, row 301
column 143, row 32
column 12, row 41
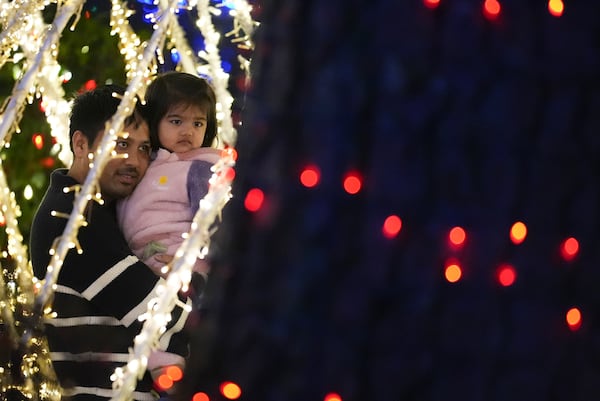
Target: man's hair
column 174, row 88
column 92, row 109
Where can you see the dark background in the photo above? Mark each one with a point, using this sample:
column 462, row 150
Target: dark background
column 452, row 119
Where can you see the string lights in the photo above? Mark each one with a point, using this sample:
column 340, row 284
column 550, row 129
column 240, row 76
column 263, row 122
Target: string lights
column 25, row 88
column 31, row 366
column 179, row 44
column 30, row 372
column 492, row 8
column 129, row 43
column 196, row 243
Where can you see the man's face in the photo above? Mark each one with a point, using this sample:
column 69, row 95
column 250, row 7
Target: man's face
column 121, row 175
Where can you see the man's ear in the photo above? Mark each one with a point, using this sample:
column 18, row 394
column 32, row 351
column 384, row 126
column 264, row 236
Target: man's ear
column 80, row 144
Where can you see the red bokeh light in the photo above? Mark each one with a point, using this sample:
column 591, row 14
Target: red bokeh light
column 506, row 275
column 228, row 151
column 310, row 176
column 491, row 9
column 431, row 3
column 569, row 249
column 392, row 226
column 457, row 236
column 254, row 200
column 332, row 397
column 38, row 141
column 230, row 174
column 200, row 397
column 230, row 390
column 47, row 162
column 163, row 382
column 573, row 318
column 352, row 183
column 90, row 85
column 174, row 372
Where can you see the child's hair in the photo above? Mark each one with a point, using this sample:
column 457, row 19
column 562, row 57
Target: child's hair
column 173, row 88
column 92, row 109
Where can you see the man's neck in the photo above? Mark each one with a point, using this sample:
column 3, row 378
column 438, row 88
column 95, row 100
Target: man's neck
column 77, row 175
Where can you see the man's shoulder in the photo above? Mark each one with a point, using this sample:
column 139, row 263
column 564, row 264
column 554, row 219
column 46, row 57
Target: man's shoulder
column 59, row 180
column 55, row 197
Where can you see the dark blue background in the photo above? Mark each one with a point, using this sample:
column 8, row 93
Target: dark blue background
column 452, row 119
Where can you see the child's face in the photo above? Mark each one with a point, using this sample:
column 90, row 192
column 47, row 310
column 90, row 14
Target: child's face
column 182, row 128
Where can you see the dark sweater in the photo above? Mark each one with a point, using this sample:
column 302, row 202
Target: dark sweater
column 100, row 293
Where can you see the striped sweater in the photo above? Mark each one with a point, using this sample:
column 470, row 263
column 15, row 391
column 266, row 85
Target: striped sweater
column 100, row 294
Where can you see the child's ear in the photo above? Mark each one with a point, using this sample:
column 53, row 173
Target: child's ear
column 80, row 144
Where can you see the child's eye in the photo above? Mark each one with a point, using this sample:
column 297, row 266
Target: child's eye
column 175, row 121
column 199, row 124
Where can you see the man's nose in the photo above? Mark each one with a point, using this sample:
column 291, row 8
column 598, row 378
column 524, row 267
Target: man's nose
column 133, row 158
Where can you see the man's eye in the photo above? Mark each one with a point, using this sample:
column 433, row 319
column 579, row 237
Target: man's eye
column 145, row 149
column 121, row 144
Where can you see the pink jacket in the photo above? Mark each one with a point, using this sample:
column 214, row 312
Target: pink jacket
column 160, row 209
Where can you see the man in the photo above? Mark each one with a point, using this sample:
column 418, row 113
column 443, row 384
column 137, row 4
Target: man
column 101, row 292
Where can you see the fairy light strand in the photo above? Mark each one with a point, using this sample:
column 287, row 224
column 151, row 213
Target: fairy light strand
column 160, row 307
column 12, row 19
column 26, row 85
column 57, row 110
column 220, row 79
column 179, row 42
column 243, row 29
column 129, row 42
column 103, row 154
column 49, row 89
column 139, row 80
column 243, row 24
column 35, row 367
column 34, row 370
column 195, row 244
column 10, row 211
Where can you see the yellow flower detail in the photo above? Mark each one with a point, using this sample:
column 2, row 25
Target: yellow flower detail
column 162, row 180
